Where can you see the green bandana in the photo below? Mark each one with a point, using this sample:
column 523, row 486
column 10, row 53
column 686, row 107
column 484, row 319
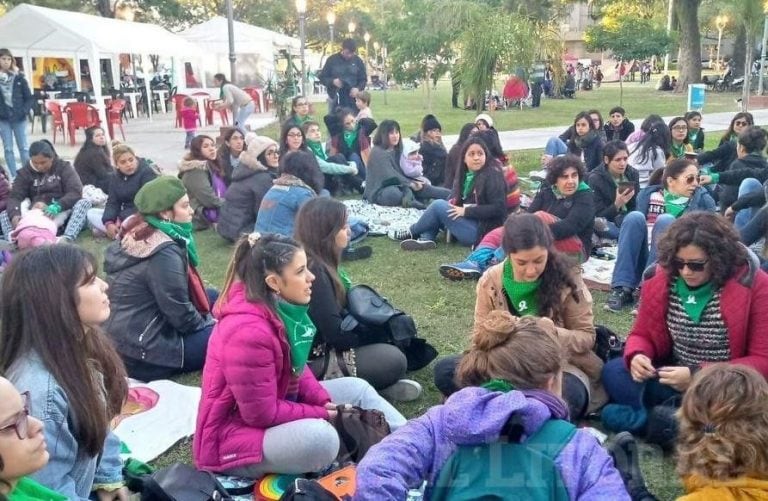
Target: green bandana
column 678, row 151
column 468, row 182
column 350, row 136
column 581, row 187
column 344, row 277
column 498, row 385
column 28, row 490
column 317, row 149
column 300, row 330
column 692, row 135
column 694, row 300
column 178, row 231
column 522, row 295
column 674, row 204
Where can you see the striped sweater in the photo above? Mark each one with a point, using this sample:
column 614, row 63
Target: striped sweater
column 695, row 343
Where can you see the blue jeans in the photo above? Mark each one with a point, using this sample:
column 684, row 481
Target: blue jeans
column 555, row 147
column 744, row 215
column 7, row 132
column 634, row 256
column 355, row 157
column 624, row 390
column 242, row 115
column 756, row 228
column 436, row 218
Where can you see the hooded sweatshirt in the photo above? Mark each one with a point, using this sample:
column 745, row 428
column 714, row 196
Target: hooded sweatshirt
column 472, row 416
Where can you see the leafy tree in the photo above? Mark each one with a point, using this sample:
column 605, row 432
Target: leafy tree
column 689, row 62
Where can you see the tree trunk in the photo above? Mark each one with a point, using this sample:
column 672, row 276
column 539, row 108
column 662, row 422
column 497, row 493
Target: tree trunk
column 105, row 8
column 689, row 62
column 739, row 51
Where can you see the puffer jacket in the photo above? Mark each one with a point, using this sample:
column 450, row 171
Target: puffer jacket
column 21, row 101
column 61, row 184
column 245, row 382
column 197, row 180
column 151, row 309
column 122, row 190
column 281, row 203
column 250, row 181
column 576, row 330
column 487, row 201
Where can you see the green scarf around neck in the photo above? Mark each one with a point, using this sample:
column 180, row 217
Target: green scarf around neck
column 344, row 277
column 469, row 181
column 522, row 295
column 179, row 232
column 317, row 149
column 300, row 332
column 350, row 136
column 692, row 135
column 694, row 300
column 581, row 187
column 678, row 151
column 674, row 204
column 496, row 384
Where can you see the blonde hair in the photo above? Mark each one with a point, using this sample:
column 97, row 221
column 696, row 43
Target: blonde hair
column 121, row 149
column 724, row 424
column 521, row 351
column 365, row 97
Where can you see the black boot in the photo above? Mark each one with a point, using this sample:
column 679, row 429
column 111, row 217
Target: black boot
column 662, row 426
column 626, row 458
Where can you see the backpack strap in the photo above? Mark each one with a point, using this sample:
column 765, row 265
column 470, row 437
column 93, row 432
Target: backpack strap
column 552, row 437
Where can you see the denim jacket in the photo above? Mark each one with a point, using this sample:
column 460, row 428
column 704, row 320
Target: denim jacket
column 69, row 471
column 281, row 204
column 701, row 200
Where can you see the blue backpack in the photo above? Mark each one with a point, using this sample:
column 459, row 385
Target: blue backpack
column 508, row 469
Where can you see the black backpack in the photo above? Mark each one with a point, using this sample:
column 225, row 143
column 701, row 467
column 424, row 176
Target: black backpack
column 182, row 482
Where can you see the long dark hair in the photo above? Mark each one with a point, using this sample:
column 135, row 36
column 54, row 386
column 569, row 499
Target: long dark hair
column 381, row 138
column 742, row 114
column 526, row 231
column 256, row 256
column 284, row 138
column 657, row 135
column 303, row 165
column 490, row 162
column 196, row 153
column 714, row 235
column 90, row 145
column 317, row 224
column 227, row 136
column 38, row 313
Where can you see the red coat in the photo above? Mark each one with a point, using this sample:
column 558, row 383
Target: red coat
column 245, row 381
column 743, row 303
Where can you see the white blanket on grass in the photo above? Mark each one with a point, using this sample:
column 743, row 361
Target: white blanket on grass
column 383, row 220
column 151, row 432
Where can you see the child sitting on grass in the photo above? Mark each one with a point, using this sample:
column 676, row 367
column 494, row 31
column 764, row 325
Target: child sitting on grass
column 338, row 171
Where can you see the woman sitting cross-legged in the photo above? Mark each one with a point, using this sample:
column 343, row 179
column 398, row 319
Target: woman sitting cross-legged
column 511, row 391
column 160, row 321
column 657, row 207
column 477, row 207
column 262, row 410
column 51, row 345
column 582, row 139
column 564, row 202
column 704, row 302
column 323, row 229
column 535, row 279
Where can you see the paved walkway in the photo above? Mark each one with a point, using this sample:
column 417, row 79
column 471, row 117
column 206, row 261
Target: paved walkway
column 162, row 142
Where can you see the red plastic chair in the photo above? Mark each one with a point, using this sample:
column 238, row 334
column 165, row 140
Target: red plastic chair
column 58, row 119
column 256, row 96
column 115, row 117
column 209, row 111
column 81, row 116
column 178, row 101
column 202, row 112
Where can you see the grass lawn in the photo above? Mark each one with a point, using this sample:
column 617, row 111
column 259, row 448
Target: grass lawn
column 443, row 310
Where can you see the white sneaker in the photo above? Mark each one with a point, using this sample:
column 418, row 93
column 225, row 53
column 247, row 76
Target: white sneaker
column 417, row 245
column 405, row 390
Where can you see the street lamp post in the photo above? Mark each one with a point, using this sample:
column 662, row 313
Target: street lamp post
column 331, row 18
column 366, row 38
column 301, row 8
column 762, row 51
column 376, row 47
column 231, row 40
column 720, row 22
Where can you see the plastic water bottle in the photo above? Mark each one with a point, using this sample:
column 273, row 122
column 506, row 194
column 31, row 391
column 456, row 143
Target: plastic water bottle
column 414, row 495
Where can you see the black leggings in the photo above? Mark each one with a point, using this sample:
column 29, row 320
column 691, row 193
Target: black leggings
column 382, row 365
column 574, row 392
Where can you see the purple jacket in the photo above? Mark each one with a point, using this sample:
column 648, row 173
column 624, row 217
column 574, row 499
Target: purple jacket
column 418, row 450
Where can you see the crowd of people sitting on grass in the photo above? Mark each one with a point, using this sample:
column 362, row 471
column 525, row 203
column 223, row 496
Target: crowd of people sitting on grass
column 278, row 355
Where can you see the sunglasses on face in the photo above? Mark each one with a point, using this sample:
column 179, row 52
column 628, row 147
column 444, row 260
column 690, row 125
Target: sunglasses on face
column 691, row 179
column 21, row 419
column 695, row 266
column 740, row 123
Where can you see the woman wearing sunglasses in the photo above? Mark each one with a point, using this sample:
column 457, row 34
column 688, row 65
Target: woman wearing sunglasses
column 50, row 344
column 22, row 448
column 720, row 158
column 704, row 302
column 658, row 205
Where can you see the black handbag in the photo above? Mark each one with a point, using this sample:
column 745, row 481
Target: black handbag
column 182, row 482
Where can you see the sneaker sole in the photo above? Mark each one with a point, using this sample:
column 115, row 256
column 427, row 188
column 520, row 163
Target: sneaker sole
column 456, row 275
column 405, row 390
column 417, row 245
column 612, row 310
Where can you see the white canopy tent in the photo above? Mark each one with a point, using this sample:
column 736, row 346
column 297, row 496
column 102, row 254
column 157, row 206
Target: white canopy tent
column 31, row 31
column 259, row 44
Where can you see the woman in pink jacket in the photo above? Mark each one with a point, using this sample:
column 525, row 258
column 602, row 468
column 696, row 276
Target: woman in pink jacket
column 261, row 410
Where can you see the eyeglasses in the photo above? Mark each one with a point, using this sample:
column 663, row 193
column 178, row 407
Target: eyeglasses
column 21, row 419
column 272, row 153
column 740, row 123
column 294, row 134
column 695, row 266
column 690, row 179
column 680, row 127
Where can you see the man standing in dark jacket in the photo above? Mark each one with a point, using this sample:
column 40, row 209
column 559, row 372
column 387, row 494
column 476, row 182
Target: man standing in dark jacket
column 615, row 185
column 343, row 76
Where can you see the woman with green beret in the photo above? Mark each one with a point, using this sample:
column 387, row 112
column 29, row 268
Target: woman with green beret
column 160, row 317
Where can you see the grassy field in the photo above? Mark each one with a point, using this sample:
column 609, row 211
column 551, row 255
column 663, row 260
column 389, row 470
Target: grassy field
column 443, row 309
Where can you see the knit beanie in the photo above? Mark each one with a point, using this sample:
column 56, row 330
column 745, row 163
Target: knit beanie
column 159, row 194
column 258, row 144
column 485, row 117
column 430, row 123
